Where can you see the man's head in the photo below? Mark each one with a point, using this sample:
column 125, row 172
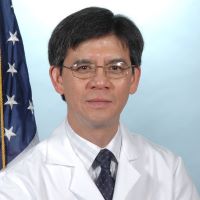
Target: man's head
column 95, row 58
column 89, row 23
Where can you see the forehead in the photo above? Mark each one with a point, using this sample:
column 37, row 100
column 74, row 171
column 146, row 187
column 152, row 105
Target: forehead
column 106, row 47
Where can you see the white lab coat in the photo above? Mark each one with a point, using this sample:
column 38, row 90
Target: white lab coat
column 52, row 171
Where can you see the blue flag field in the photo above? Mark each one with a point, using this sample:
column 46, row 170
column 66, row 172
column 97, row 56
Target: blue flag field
column 18, row 127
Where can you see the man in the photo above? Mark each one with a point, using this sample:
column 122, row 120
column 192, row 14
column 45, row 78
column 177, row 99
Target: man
column 95, row 60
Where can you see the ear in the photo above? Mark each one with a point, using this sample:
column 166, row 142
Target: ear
column 56, row 79
column 135, row 80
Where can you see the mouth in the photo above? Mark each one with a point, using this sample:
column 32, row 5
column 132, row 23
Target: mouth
column 98, row 103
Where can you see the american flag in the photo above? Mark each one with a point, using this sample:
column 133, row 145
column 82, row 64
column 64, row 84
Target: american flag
column 18, row 127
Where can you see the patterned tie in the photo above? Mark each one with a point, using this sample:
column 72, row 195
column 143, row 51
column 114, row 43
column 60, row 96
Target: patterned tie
column 105, row 182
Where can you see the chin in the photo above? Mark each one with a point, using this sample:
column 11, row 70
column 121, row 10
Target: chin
column 103, row 123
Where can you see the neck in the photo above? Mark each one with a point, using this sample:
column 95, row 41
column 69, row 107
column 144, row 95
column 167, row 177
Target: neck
column 98, row 134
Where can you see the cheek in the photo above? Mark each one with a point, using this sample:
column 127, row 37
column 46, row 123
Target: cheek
column 123, row 92
column 73, row 91
column 123, row 98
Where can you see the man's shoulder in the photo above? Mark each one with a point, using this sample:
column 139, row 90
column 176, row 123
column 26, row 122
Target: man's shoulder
column 36, row 154
column 20, row 174
column 147, row 149
column 32, row 157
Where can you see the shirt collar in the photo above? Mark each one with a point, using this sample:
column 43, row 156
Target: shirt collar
column 88, row 151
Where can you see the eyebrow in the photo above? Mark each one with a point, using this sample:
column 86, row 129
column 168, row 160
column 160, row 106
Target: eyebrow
column 82, row 61
column 116, row 60
column 88, row 61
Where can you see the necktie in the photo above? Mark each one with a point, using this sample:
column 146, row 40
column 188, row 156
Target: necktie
column 105, row 182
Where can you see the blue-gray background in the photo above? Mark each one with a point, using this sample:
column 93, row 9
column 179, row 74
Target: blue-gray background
column 166, row 108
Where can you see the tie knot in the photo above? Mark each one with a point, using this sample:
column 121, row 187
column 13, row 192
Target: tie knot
column 103, row 159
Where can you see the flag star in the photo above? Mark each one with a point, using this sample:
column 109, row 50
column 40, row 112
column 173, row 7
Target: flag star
column 12, row 69
column 13, row 38
column 11, row 101
column 31, row 106
column 9, row 133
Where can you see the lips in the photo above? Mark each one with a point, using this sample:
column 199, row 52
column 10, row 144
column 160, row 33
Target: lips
column 99, row 103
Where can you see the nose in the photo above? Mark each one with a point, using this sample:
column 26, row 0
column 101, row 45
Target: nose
column 99, row 80
column 100, row 71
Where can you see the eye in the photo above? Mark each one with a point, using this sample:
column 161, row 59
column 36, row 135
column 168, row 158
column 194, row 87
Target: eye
column 117, row 67
column 83, row 68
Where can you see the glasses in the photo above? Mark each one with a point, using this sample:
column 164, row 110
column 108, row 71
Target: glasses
column 88, row 70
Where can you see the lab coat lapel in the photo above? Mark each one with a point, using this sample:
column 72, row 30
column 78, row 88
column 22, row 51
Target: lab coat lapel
column 127, row 175
column 60, row 152
column 82, row 185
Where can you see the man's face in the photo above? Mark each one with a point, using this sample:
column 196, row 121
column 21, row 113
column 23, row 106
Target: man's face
column 96, row 101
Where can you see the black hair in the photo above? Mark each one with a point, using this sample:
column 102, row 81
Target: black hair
column 89, row 23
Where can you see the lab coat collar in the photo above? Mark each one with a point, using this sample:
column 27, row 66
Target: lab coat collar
column 58, row 146
column 127, row 175
column 131, row 143
column 59, row 150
